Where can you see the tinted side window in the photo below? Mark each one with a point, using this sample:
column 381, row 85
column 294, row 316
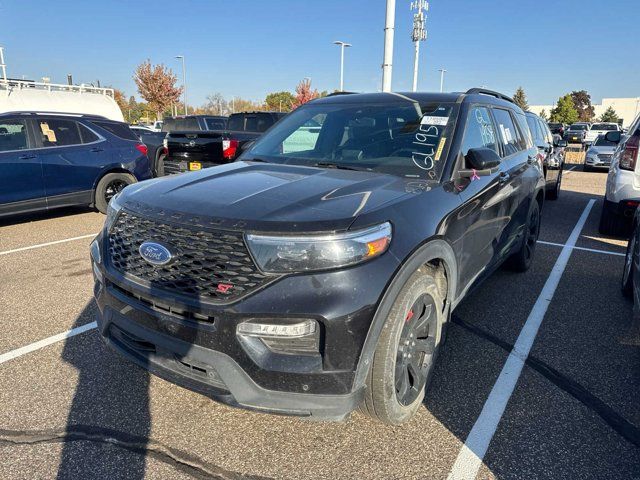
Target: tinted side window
column 534, row 126
column 479, row 132
column 215, row 124
column 509, row 135
column 87, row 135
column 236, row 122
column 13, row 135
column 546, row 133
column 58, row 133
column 121, row 130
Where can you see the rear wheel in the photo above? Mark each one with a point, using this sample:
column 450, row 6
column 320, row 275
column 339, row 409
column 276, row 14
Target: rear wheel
column 629, row 264
column 610, row 222
column 159, row 166
column 109, row 186
column 522, row 259
column 555, row 193
column 406, row 353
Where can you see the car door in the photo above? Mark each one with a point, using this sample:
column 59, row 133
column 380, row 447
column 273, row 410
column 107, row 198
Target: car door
column 485, row 213
column 20, row 168
column 519, row 156
column 72, row 156
column 554, row 159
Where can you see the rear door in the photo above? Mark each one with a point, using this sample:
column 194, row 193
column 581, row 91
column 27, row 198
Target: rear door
column 20, row 168
column 72, row 156
column 518, row 156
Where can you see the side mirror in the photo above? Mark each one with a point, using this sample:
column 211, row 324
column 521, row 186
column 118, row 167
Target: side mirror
column 482, row 160
column 613, row 136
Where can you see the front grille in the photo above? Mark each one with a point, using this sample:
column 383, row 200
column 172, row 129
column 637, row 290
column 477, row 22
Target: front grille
column 209, row 265
column 604, row 157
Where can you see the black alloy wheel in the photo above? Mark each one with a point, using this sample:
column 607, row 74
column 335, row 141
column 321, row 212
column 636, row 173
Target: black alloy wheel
column 629, row 262
column 113, row 188
column 415, row 353
column 533, row 230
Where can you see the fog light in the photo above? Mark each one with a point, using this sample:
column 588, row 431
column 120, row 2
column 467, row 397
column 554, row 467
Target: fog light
column 300, row 329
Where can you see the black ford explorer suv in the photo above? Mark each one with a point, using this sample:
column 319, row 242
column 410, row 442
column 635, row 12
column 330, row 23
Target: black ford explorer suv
column 317, row 274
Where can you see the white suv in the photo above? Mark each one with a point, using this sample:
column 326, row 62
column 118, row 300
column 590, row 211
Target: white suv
column 623, row 182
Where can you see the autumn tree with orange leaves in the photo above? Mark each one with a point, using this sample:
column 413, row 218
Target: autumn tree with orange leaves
column 304, row 93
column 157, row 85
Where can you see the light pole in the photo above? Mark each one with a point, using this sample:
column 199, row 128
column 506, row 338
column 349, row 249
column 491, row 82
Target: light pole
column 442, row 72
column 387, row 60
column 418, row 34
column 342, row 47
column 184, row 82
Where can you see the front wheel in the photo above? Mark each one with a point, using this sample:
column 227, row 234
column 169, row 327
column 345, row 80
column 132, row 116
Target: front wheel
column 109, row 186
column 523, row 258
column 555, row 193
column 406, row 353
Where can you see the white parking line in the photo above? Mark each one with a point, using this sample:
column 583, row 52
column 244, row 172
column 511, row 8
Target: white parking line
column 475, row 447
column 571, row 169
column 18, row 352
column 593, row 250
column 40, row 245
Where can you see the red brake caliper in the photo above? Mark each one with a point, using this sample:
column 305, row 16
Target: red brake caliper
column 409, row 316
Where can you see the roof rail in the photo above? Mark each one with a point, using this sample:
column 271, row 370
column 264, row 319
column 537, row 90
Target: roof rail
column 61, row 114
column 333, row 94
column 493, row 93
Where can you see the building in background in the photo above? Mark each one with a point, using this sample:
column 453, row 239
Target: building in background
column 626, row 108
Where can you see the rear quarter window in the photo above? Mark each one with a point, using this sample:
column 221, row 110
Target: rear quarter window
column 120, row 130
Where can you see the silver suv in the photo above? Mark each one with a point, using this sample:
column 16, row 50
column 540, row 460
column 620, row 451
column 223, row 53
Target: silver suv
column 623, row 182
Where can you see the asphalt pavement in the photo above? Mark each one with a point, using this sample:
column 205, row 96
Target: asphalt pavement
column 73, row 409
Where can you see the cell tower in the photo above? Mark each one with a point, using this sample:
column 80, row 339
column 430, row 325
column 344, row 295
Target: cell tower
column 419, row 33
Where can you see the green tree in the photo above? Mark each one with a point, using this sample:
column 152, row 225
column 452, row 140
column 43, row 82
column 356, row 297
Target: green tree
column 521, row 99
column 280, row 101
column 544, row 116
column 609, row 115
column 582, row 103
column 565, row 111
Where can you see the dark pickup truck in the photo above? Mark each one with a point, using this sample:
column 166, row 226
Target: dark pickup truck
column 190, row 150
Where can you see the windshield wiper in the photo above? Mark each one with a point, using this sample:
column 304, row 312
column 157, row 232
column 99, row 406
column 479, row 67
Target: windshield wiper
column 340, row 166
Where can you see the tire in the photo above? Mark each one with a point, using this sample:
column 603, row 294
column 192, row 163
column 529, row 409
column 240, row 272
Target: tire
column 629, row 262
column 108, row 186
column 610, row 222
column 159, row 165
column 407, row 350
column 555, row 193
column 521, row 260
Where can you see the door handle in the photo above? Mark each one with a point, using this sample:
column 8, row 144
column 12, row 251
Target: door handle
column 27, row 156
column 504, row 177
column 97, row 149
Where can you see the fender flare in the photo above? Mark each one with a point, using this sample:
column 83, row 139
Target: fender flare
column 432, row 250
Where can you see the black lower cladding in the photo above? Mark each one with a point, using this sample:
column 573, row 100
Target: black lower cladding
column 211, row 362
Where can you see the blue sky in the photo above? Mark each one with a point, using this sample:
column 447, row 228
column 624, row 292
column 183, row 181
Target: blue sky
column 249, row 48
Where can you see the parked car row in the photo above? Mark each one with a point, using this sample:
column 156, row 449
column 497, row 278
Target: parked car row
column 586, row 133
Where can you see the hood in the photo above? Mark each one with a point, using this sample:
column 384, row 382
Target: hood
column 268, row 197
column 602, row 149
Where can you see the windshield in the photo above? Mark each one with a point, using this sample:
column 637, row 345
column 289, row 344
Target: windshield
column 403, row 138
column 578, row 127
column 601, row 141
column 604, row 126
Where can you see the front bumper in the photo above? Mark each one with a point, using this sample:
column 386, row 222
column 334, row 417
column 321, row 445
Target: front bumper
column 209, row 357
column 595, row 162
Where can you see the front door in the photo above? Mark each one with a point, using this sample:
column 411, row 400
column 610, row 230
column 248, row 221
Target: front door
column 21, row 182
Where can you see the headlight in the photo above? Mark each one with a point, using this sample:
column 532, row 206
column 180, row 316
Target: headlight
column 281, row 254
column 95, row 251
column 112, row 211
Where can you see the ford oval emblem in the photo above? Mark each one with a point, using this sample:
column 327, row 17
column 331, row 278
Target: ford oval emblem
column 155, row 254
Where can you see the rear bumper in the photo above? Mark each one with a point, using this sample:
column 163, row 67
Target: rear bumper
column 181, row 165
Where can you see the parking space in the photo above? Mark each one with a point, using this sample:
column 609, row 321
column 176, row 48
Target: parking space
column 76, row 410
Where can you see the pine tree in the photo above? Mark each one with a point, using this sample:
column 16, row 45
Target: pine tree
column 544, row 116
column 609, row 115
column 521, row 99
